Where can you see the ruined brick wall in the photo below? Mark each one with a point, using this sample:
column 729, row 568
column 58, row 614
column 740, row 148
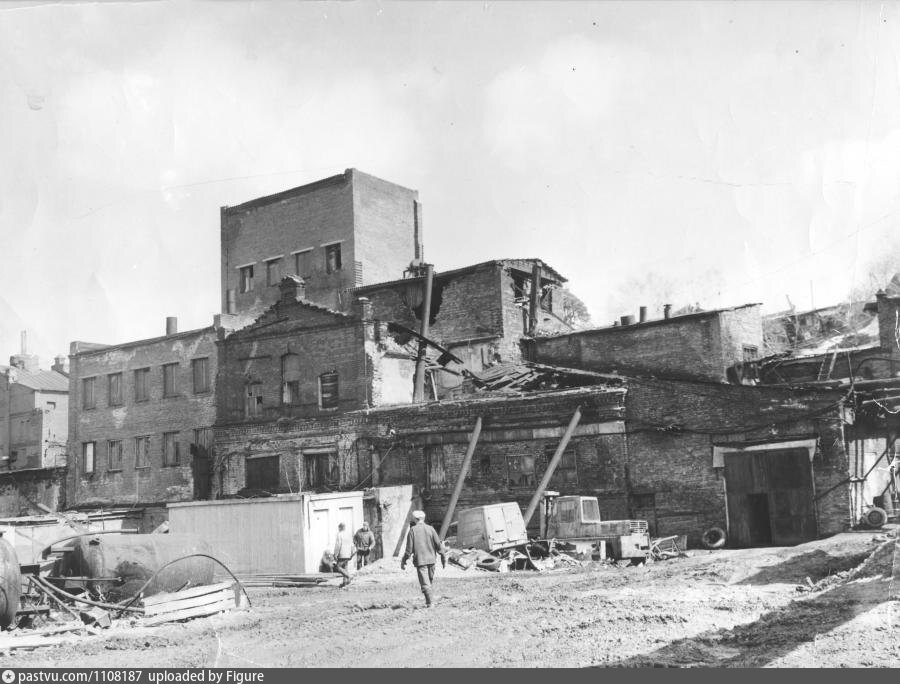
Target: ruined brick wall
column 55, row 428
column 182, row 413
column 862, row 364
column 694, row 345
column 673, row 426
column 372, row 219
column 20, row 492
column 889, row 323
column 4, row 417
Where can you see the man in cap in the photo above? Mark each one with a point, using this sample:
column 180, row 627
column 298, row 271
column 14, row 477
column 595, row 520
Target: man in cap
column 343, row 552
column 363, row 540
column 424, row 545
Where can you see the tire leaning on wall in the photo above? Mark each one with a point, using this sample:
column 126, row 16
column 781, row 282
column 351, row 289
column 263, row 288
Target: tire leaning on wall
column 714, row 538
column 875, row 517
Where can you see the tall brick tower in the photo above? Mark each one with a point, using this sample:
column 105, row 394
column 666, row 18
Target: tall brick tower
column 337, row 233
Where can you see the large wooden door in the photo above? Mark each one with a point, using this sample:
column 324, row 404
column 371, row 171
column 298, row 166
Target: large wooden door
column 770, row 497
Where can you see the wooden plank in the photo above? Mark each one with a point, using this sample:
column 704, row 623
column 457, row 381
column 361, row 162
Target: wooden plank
column 165, row 597
column 200, row 611
column 183, row 604
column 34, row 642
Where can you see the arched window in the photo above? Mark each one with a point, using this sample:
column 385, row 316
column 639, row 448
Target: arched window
column 290, row 379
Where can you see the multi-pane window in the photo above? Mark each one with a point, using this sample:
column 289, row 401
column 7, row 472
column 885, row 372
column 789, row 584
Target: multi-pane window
column 246, row 279
column 273, row 271
column 88, row 396
column 114, row 454
column 200, row 368
column 290, row 379
column 169, row 379
column 142, row 452
column 303, row 263
column 328, row 390
column 87, row 457
column 142, row 384
column 115, row 389
column 333, row 258
column 171, row 452
column 567, row 469
column 521, row 470
column 253, row 400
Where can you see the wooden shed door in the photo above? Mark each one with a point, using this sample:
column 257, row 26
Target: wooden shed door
column 770, row 497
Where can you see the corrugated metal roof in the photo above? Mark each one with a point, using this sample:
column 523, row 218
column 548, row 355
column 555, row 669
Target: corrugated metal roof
column 47, row 380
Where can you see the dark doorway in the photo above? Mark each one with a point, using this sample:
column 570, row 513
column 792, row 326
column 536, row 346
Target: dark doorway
column 770, row 497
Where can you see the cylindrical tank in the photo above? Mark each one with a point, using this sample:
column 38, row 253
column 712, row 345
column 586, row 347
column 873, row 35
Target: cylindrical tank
column 627, row 320
column 133, row 558
column 10, row 583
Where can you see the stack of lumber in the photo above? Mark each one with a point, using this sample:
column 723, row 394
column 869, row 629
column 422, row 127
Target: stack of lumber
column 275, row 580
column 50, row 636
column 191, row 603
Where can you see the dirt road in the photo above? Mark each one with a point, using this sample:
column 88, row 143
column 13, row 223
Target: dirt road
column 722, row 608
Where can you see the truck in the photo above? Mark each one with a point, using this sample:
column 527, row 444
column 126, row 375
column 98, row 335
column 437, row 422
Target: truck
column 491, row 527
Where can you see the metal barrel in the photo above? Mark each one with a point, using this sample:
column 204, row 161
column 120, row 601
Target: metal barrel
column 10, row 584
column 119, row 565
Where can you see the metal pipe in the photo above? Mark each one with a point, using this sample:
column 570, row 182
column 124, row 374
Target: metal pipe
column 551, row 467
column 419, row 387
column 642, row 314
column 457, row 490
column 80, row 599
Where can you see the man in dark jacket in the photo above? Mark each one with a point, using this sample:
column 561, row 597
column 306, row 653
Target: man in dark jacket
column 423, row 545
column 363, row 540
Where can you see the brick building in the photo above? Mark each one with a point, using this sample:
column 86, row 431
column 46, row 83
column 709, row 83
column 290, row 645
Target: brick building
column 702, row 345
column 337, row 233
column 141, row 416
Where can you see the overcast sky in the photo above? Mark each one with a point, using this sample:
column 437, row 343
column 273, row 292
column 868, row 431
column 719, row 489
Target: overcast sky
column 719, row 152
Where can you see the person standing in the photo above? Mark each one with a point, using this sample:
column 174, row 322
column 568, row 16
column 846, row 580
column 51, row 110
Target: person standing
column 364, row 541
column 343, row 552
column 423, row 545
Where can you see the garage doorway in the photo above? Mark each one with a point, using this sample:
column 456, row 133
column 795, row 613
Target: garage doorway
column 770, row 497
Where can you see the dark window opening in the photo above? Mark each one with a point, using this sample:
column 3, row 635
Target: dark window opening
column 333, row 258
column 114, row 454
column 290, row 379
column 200, row 369
column 142, row 384
column 171, row 449
column 246, row 284
column 262, row 473
column 328, row 390
column 169, row 379
column 416, row 300
column 303, row 263
column 751, row 353
column 321, row 469
column 115, row 389
column 142, row 452
column 88, row 398
column 253, row 401
column 273, row 272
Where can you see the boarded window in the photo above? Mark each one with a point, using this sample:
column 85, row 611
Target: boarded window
column 521, row 470
column 290, row 379
column 171, row 449
column 200, row 369
column 88, row 397
column 273, row 272
column 142, row 384
column 328, row 390
column 87, row 457
column 114, row 454
column 253, row 401
column 246, row 284
column 567, row 469
column 169, row 379
column 303, row 263
column 436, row 477
column 262, row 473
column 321, row 468
column 333, row 258
column 115, row 389
column 141, row 452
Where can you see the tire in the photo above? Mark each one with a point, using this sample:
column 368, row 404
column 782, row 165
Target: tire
column 875, row 517
column 492, row 564
column 714, row 538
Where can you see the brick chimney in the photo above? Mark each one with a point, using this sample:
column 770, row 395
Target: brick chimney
column 60, row 364
column 293, row 289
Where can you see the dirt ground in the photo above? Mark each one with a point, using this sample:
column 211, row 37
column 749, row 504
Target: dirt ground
column 828, row 603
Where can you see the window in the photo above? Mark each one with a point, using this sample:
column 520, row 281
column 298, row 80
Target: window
column 751, row 353
column 333, row 258
column 142, row 384
column 303, row 263
column 321, row 468
column 436, row 476
column 253, row 400
column 200, row 368
column 141, row 452
column 567, row 511
column 51, row 405
column 88, row 398
column 521, row 470
column 273, row 271
column 290, row 379
column 567, row 469
column 590, row 510
column 171, row 449
column 262, row 472
column 115, row 389
column 87, row 457
column 114, row 454
column 169, row 379
column 328, row 390
column 246, row 276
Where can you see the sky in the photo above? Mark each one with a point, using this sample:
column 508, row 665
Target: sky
column 714, row 153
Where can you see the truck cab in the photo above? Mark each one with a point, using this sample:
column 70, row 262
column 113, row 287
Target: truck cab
column 576, row 520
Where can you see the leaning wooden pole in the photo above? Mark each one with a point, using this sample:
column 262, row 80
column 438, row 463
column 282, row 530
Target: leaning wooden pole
column 551, row 467
column 457, row 490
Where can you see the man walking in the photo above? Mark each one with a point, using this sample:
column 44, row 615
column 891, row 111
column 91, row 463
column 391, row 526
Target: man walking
column 343, row 552
column 423, row 544
column 364, row 541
